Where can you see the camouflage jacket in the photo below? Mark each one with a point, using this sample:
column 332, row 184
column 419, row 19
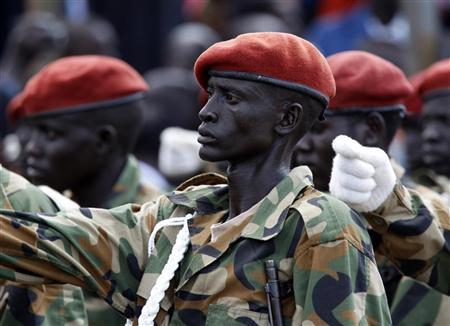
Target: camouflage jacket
column 326, row 263
column 415, row 235
column 55, row 304
column 127, row 189
column 437, row 183
column 48, row 304
column 415, row 302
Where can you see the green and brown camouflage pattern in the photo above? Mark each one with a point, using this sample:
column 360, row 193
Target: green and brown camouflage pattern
column 326, row 262
column 127, row 189
column 414, row 302
column 415, row 235
column 438, row 183
column 46, row 305
column 411, row 301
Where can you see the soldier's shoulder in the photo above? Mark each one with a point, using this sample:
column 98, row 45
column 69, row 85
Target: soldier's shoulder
column 328, row 219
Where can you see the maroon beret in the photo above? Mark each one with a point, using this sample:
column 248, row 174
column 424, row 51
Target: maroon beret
column 435, row 79
column 78, row 83
column 364, row 80
column 413, row 102
column 279, row 59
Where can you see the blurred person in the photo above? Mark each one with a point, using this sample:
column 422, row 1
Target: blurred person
column 206, row 266
column 35, row 40
column 412, row 126
column 376, row 26
column 94, row 35
column 80, row 118
column 186, row 42
column 255, row 22
column 434, row 90
column 369, row 107
column 173, row 101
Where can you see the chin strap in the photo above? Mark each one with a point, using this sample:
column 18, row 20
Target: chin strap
column 151, row 307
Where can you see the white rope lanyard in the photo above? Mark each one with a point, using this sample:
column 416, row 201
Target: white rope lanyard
column 151, row 307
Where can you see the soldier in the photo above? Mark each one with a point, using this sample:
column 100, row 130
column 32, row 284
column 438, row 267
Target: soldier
column 434, row 89
column 368, row 107
column 206, row 265
column 82, row 116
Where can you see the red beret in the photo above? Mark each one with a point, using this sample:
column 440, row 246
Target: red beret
column 279, row 59
column 364, row 80
column 78, row 83
column 435, row 79
column 413, row 102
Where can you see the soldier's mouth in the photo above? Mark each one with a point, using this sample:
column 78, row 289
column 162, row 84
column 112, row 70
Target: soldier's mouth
column 206, row 139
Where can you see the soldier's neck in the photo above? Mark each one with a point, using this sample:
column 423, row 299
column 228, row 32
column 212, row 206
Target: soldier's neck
column 250, row 181
column 95, row 191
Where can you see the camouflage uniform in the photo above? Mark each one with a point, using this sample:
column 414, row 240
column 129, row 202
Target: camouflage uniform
column 55, row 304
column 325, row 259
column 437, row 183
column 415, row 235
column 127, row 189
column 40, row 304
column 415, row 302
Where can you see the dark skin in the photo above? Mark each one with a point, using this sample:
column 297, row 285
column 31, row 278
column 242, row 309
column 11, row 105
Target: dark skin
column 413, row 143
column 242, row 125
column 436, row 135
column 315, row 151
column 89, row 154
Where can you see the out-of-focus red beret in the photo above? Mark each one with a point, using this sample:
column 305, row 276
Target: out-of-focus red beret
column 78, row 83
column 435, row 79
column 279, row 59
column 413, row 102
column 364, row 81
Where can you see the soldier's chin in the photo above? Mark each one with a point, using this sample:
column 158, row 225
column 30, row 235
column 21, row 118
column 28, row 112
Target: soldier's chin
column 207, row 154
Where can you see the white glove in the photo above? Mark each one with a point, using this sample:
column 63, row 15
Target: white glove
column 362, row 177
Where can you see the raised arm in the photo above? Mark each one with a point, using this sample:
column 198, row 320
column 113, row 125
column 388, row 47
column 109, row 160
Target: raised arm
column 101, row 250
column 414, row 228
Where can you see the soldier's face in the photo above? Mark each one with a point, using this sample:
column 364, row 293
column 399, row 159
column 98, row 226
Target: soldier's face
column 436, row 135
column 58, row 152
column 315, row 151
column 237, row 121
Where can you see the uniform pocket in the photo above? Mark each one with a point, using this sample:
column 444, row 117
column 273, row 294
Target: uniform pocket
column 228, row 315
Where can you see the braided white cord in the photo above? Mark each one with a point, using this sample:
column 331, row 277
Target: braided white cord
column 151, row 307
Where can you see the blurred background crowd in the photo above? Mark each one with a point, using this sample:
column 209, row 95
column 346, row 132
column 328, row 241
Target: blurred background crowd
column 162, row 39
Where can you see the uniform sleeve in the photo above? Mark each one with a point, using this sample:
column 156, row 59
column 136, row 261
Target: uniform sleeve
column 415, row 235
column 19, row 194
column 101, row 250
column 336, row 284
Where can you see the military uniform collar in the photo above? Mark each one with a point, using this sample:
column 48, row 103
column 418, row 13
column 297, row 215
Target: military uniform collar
column 269, row 217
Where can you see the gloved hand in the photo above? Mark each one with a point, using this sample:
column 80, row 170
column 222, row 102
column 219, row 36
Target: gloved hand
column 362, row 177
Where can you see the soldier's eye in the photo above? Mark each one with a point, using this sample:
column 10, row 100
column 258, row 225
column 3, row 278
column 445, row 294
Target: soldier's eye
column 232, row 99
column 210, row 92
column 51, row 134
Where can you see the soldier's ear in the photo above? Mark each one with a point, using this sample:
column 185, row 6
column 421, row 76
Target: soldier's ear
column 106, row 139
column 291, row 117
